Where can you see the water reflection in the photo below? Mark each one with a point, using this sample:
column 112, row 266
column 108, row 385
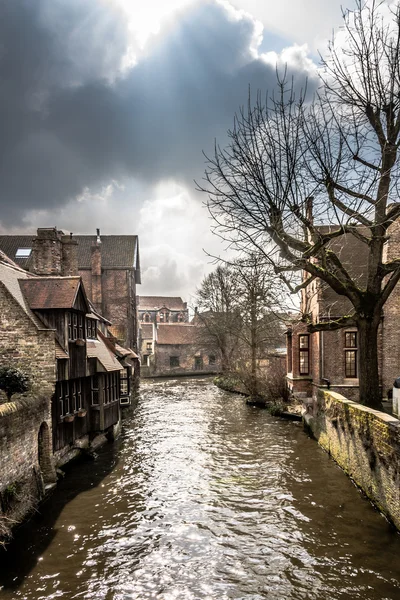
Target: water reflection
column 206, row 498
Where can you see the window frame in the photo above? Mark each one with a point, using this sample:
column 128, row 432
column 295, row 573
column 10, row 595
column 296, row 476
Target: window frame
column 304, row 351
column 351, row 348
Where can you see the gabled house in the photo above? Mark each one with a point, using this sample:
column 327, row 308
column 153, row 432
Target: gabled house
column 87, row 389
column 178, row 350
column 109, row 266
column 51, row 332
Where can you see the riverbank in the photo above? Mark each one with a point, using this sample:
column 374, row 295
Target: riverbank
column 278, row 406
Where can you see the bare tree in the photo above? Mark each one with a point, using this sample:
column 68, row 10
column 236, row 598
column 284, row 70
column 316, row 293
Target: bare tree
column 216, row 300
column 260, row 305
column 341, row 149
column 240, row 306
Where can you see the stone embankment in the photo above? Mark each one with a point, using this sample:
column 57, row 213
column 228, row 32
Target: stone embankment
column 364, row 442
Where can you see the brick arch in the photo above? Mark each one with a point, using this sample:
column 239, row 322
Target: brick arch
column 44, row 454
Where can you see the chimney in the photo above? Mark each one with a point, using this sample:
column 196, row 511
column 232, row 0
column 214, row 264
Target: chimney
column 47, row 251
column 69, row 255
column 97, row 296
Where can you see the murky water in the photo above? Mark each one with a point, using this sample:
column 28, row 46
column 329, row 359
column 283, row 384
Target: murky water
column 204, row 498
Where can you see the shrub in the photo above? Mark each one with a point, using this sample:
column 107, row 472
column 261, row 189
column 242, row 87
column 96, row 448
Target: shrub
column 13, row 381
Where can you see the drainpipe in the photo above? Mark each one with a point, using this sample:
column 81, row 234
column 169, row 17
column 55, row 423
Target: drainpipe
column 322, row 354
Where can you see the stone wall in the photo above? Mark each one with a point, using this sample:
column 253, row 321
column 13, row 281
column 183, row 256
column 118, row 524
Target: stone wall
column 186, row 353
column 364, row 442
column 25, row 458
column 26, row 347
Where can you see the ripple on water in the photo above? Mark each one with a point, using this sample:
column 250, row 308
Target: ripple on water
column 206, row 498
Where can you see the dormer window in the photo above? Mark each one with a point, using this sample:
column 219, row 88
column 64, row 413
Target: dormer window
column 75, row 326
column 91, row 329
column 23, row 253
column 164, row 317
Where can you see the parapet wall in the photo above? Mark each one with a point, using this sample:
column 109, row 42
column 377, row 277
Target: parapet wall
column 25, row 458
column 364, row 442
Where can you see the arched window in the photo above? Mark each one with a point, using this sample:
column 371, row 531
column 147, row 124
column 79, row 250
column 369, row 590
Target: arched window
column 147, row 318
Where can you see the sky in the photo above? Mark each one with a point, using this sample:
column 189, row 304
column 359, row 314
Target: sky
column 108, row 105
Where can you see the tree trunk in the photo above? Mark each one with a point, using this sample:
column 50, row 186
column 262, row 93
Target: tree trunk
column 370, row 392
column 253, row 345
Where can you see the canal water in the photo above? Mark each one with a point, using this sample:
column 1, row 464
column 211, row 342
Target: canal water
column 204, row 497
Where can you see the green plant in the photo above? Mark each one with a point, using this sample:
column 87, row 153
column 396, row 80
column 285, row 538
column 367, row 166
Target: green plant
column 13, row 381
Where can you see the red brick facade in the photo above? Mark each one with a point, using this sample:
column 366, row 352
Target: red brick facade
column 333, row 355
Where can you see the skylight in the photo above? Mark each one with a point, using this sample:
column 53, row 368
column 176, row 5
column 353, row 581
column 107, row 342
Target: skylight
column 23, row 252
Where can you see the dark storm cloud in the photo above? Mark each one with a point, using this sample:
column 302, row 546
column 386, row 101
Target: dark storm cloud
column 71, row 120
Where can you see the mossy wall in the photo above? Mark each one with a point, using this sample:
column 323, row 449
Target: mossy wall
column 364, row 442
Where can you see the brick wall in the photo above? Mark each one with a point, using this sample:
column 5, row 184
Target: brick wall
column 186, row 354
column 47, row 252
column 391, row 329
column 24, row 346
column 25, row 458
column 364, row 442
column 118, row 303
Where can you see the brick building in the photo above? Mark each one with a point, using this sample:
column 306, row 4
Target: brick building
column 109, row 266
column 51, row 332
column 178, row 351
column 162, row 309
column 331, row 357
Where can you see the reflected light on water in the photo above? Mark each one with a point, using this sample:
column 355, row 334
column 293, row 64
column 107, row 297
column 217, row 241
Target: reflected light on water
column 204, row 498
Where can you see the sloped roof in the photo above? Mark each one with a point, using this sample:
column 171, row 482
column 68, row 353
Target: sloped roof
column 60, row 352
column 125, row 352
column 10, row 278
column 156, row 302
column 51, row 292
column 117, row 250
column 98, row 349
column 176, row 333
column 9, row 244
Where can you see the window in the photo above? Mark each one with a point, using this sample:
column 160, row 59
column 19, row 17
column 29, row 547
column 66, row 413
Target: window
column 147, row 318
column 289, row 351
column 350, row 354
column 76, row 394
column 180, row 318
column 304, row 354
column 91, row 329
column 111, row 387
column 211, row 359
column 174, row 361
column 69, row 326
column 149, row 346
column 124, row 383
column 94, row 389
column 198, row 362
column 80, row 327
column 63, row 398
column 23, row 252
column 69, row 396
